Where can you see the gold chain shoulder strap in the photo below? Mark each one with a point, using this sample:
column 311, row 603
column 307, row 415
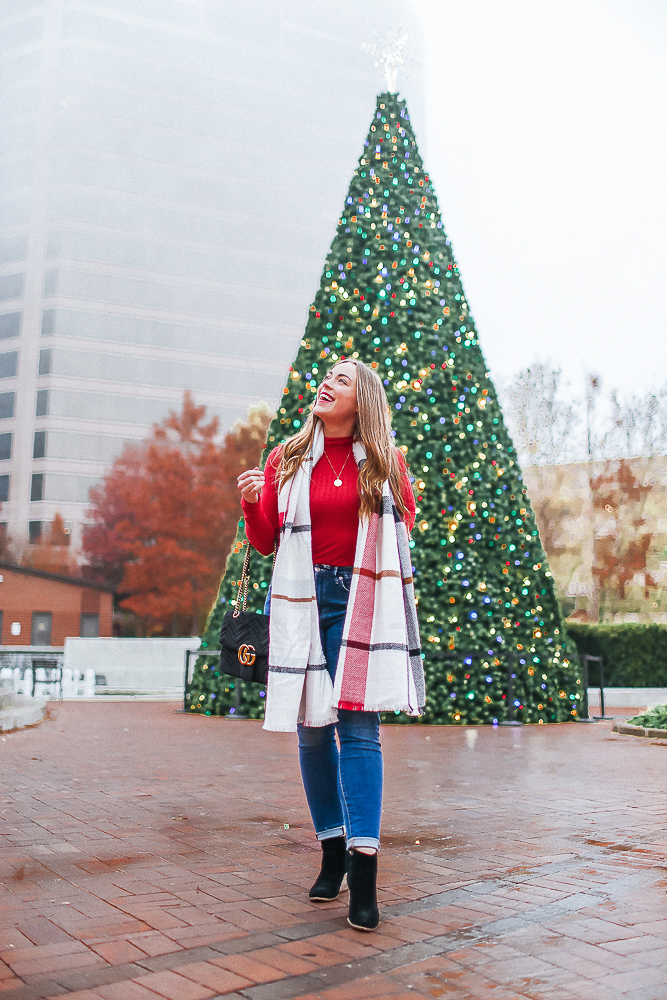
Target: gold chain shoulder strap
column 245, row 579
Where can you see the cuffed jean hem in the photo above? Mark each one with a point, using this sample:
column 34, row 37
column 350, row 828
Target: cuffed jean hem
column 363, row 842
column 335, row 831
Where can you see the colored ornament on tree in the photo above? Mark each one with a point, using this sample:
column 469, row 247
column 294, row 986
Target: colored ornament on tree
column 392, row 296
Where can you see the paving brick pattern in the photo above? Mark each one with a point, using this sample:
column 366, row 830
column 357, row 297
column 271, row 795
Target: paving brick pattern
column 147, row 854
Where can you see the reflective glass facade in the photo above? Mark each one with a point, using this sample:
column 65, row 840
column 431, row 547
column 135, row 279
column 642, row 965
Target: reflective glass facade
column 171, row 178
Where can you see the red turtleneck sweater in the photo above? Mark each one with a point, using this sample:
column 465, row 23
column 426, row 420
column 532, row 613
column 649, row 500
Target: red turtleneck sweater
column 334, row 510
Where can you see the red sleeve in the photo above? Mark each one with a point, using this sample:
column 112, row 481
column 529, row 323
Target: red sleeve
column 407, row 493
column 261, row 519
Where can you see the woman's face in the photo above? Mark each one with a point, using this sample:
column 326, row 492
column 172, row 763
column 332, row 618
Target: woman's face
column 337, row 394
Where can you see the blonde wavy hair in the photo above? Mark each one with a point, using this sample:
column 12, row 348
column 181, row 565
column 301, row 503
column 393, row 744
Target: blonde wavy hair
column 372, row 429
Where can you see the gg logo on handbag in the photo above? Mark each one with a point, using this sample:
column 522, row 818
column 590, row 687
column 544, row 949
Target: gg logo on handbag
column 246, row 654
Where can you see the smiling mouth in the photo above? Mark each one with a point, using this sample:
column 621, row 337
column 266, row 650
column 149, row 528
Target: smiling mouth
column 325, row 398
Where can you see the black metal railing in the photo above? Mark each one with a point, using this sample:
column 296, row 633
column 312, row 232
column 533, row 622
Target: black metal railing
column 511, row 719
column 586, row 659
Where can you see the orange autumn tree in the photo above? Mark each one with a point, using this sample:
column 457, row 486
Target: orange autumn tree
column 623, row 537
column 51, row 552
column 165, row 516
column 7, row 547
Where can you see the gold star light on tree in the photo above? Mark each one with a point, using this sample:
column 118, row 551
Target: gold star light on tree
column 389, row 58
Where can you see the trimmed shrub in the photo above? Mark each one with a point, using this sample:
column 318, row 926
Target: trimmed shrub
column 655, row 718
column 634, row 655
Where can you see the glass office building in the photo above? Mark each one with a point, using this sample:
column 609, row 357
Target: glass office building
column 172, row 176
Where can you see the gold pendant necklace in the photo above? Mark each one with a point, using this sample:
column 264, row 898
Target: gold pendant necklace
column 337, row 481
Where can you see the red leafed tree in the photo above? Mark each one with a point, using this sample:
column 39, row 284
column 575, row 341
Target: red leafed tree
column 622, row 540
column 7, row 547
column 165, row 516
column 51, row 553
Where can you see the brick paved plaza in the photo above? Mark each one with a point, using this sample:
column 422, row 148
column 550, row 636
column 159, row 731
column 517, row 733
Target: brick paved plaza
column 148, row 854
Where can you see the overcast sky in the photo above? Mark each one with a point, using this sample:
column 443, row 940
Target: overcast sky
column 547, row 143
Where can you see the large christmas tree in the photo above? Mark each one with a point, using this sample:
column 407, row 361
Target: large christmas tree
column 391, row 295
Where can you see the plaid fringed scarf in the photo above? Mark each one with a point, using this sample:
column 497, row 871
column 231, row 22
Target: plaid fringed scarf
column 379, row 667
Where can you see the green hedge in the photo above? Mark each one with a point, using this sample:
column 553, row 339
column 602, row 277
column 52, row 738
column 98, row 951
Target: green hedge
column 633, row 655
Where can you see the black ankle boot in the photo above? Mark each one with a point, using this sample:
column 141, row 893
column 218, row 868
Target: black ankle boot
column 361, row 881
column 332, row 872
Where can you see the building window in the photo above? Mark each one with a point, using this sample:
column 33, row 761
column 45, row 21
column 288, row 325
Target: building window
column 41, row 628
column 9, row 362
column 13, row 248
column 34, row 531
column 45, row 362
column 4, row 489
column 38, row 445
column 42, row 408
column 11, row 286
column 90, row 626
column 6, row 405
column 48, row 322
column 5, row 446
column 10, row 325
column 50, row 282
column 37, row 486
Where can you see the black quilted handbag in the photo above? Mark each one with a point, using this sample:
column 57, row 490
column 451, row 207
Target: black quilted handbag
column 244, row 636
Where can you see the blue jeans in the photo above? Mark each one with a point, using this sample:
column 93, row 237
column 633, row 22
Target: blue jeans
column 343, row 784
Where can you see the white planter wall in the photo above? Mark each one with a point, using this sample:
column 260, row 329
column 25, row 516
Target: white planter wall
column 131, row 665
column 640, row 698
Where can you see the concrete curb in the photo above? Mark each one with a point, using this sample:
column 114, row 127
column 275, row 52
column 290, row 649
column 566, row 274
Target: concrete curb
column 625, row 729
column 22, row 712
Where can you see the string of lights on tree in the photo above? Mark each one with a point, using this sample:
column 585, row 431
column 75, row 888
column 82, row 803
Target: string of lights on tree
column 391, row 295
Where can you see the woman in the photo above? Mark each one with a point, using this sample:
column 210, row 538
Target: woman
column 344, row 642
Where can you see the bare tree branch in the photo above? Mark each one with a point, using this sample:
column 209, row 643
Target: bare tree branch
column 551, row 426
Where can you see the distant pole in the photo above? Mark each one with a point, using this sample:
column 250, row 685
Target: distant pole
column 600, row 663
column 584, row 716
column 592, row 388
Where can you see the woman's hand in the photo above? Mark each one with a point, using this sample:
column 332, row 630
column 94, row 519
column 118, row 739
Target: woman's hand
column 250, row 483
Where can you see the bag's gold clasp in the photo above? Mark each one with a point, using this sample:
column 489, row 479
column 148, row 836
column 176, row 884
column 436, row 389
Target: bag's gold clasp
column 246, row 654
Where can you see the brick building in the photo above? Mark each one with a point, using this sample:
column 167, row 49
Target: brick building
column 41, row 609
